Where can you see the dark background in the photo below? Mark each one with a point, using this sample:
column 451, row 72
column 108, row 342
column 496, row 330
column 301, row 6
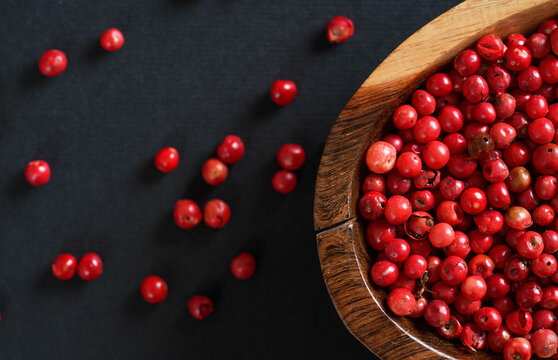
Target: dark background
column 190, row 73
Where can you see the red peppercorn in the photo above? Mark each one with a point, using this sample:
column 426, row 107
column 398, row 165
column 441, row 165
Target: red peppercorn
column 379, row 232
column 475, row 89
column 519, row 179
column 112, row 40
column 435, row 154
column 547, row 26
column 166, row 159
column 543, row 215
column 291, row 156
column 498, row 338
column 415, row 267
column 549, row 69
column 466, row 307
column 216, row 213
column 187, row 214
column 398, row 209
column 283, row 92
column 517, row 154
column 437, row 313
column 451, row 188
column 340, row 29
column 449, row 212
column 473, row 201
column 516, row 39
column 200, row 306
column 552, row 114
column 545, row 159
column 550, row 239
column 467, row 62
column 529, row 79
column 444, row 292
column 536, row 107
column 548, row 91
column 64, row 267
column 90, row 267
column 518, row 218
column 489, row 222
column 417, row 227
column 461, row 166
column 52, row 63
column 550, row 297
column 544, row 265
column 498, row 78
column 439, row 84
column 495, row 171
column 484, row 112
column 154, row 289
column 488, row 319
column 459, row 247
column 441, row 235
column 497, row 285
column 405, row 117
column 423, row 102
column 517, row 57
column 530, row 245
column 231, row 150
column 543, row 319
column 395, row 140
column 384, row 273
column 498, row 195
column 517, row 348
column 528, row 199
column 457, row 81
column 453, row 270
column 380, row 157
column 450, row 119
column 504, row 105
column 398, row 184
column 418, row 310
column 546, row 187
column 402, row 282
column 397, row 250
column 473, row 288
column 480, row 243
column 243, row 266
column 553, row 40
column 456, row 143
column 539, row 45
column 214, row 172
column 37, row 173
column 490, row 47
column 426, row 129
column 401, row 302
column 409, row 164
column 529, row 294
column 284, row 181
column 374, row 182
column 544, row 343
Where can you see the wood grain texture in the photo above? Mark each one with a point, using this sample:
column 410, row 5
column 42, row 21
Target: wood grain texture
column 341, row 242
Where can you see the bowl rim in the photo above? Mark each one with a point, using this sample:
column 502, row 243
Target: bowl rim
column 339, row 233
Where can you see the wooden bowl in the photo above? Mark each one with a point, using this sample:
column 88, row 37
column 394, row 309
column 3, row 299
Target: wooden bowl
column 344, row 254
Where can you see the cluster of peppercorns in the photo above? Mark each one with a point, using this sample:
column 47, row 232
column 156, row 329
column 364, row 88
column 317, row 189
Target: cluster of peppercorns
column 187, row 214
column 37, row 172
column 462, row 199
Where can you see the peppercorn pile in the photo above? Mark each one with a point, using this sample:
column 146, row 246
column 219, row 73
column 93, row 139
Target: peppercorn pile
column 462, row 199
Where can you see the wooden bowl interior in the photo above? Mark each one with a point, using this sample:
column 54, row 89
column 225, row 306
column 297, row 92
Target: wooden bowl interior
column 364, row 120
